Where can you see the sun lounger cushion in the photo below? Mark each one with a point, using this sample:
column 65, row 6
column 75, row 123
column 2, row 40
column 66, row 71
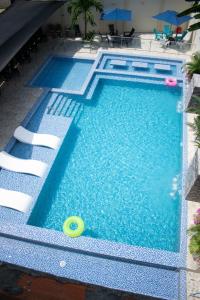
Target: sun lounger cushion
column 40, row 139
column 15, row 200
column 28, row 166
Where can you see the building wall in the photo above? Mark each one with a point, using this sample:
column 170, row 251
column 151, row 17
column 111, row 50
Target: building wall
column 143, row 10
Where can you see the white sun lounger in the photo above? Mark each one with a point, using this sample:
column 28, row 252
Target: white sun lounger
column 162, row 67
column 40, row 139
column 118, row 63
column 15, row 200
column 140, row 65
column 28, row 166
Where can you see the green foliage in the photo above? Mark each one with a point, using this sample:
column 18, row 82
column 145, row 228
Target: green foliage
column 90, row 35
column 194, row 65
column 194, row 245
column 195, row 9
column 84, row 7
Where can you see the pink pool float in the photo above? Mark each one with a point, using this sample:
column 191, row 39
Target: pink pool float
column 171, row 81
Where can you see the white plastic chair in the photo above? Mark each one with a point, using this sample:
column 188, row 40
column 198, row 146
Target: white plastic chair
column 28, row 166
column 40, row 139
column 15, row 200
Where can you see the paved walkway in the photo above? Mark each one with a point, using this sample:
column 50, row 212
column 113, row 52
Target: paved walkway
column 17, row 99
column 17, row 285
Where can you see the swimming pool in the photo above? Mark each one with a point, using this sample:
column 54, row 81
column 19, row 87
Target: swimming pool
column 63, row 73
column 121, row 168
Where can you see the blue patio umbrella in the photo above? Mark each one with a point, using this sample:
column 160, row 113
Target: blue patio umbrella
column 170, row 16
column 116, row 14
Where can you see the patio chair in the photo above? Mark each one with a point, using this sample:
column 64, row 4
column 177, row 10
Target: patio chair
column 103, row 37
column 178, row 30
column 168, row 42
column 58, row 30
column 158, row 35
column 180, row 38
column 129, row 33
column 77, row 30
column 167, row 32
column 15, row 200
column 95, row 41
column 111, row 28
column 40, row 139
column 128, row 37
column 51, row 30
column 112, row 40
column 27, row 166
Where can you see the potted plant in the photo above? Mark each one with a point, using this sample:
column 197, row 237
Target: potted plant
column 193, row 67
column 194, row 232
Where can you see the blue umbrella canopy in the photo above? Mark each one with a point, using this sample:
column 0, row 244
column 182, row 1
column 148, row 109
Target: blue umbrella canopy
column 116, row 14
column 170, row 16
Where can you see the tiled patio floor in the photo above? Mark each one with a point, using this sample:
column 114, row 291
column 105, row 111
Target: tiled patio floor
column 17, row 99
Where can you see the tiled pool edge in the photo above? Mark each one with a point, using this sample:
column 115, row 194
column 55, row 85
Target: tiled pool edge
column 134, row 278
column 60, row 90
column 179, row 258
column 105, row 248
column 95, row 70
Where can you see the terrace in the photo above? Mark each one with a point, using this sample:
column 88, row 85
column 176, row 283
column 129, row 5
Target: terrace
column 17, row 99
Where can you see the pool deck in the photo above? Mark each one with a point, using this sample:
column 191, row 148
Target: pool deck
column 21, row 99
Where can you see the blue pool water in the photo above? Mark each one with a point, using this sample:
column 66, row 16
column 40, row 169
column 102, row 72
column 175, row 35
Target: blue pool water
column 119, row 168
column 62, row 72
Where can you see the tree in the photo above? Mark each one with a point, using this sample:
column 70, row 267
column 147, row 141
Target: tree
column 84, row 7
column 195, row 9
column 193, row 67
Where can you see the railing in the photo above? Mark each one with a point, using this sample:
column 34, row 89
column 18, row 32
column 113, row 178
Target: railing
column 150, row 45
column 136, row 43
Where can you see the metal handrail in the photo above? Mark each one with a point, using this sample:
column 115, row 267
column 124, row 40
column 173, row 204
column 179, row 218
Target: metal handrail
column 147, row 44
column 136, row 43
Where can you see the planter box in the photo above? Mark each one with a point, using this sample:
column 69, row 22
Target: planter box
column 193, row 89
column 192, row 185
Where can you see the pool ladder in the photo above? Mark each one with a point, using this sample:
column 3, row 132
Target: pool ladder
column 63, row 105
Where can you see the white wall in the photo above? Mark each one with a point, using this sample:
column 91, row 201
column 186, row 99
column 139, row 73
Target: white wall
column 196, row 40
column 143, row 10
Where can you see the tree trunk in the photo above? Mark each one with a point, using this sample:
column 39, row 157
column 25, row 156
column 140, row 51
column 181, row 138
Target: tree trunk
column 85, row 20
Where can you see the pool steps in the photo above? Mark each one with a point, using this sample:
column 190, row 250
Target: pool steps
column 64, row 106
column 70, row 109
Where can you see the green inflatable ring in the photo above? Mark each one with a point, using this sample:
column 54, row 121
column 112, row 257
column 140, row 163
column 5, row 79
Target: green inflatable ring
column 73, row 232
